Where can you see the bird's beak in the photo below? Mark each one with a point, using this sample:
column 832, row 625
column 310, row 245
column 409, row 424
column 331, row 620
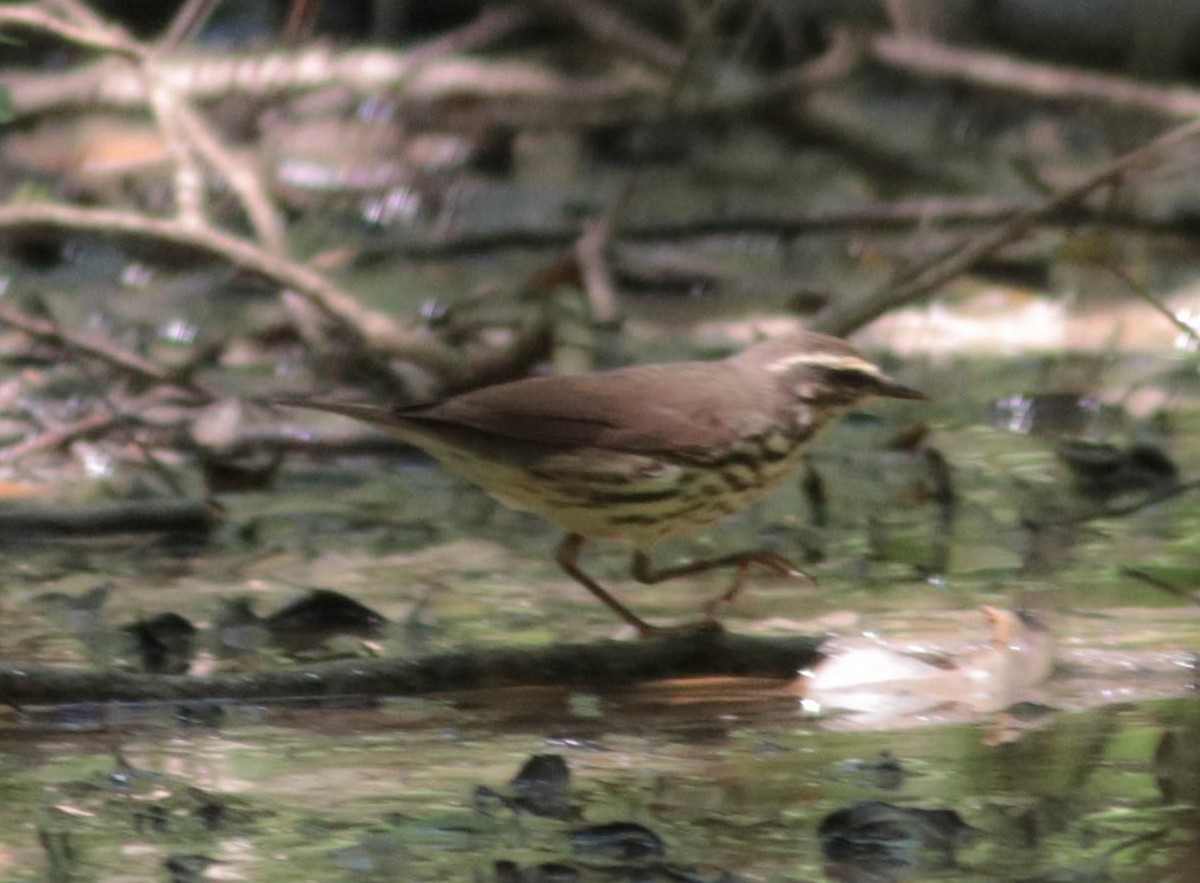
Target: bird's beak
column 890, row 389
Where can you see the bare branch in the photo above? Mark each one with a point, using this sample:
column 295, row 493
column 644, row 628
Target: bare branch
column 842, row 318
column 995, row 71
column 188, row 21
column 595, row 271
column 202, row 77
column 186, row 133
column 242, row 178
column 608, row 27
column 102, row 39
column 491, row 25
column 61, row 436
column 376, row 329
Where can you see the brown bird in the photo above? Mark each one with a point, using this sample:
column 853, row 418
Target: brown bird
column 647, row 452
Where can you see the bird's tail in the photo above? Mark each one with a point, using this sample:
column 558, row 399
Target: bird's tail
column 387, row 418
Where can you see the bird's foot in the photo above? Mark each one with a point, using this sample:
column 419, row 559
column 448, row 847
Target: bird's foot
column 769, row 561
column 780, row 566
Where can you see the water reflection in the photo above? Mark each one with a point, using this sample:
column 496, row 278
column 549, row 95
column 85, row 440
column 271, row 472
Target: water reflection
column 764, row 794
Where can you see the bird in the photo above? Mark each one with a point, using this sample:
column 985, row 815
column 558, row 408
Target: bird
column 646, row 452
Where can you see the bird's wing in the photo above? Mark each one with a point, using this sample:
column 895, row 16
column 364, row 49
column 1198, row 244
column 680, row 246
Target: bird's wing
column 644, row 409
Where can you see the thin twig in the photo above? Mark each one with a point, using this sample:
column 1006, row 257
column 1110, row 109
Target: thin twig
column 188, row 21
column 842, row 55
column 1082, row 516
column 490, row 25
column 103, row 351
column 106, row 39
column 609, row 28
column 241, row 177
column 843, row 318
column 1141, row 291
column 995, row 71
column 188, row 179
column 106, row 353
column 79, row 13
column 595, row 271
column 60, row 436
column 1161, row 584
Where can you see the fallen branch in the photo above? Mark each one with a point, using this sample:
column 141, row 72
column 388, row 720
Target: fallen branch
column 605, row 664
column 157, row 516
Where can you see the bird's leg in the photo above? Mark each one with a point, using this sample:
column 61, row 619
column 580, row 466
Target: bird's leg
column 644, row 572
column 568, row 559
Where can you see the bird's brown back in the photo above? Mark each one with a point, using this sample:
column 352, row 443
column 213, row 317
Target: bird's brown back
column 687, row 406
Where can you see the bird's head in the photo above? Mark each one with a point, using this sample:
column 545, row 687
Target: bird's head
column 823, row 372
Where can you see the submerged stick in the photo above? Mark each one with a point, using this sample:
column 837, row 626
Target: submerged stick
column 595, row 665
column 157, row 516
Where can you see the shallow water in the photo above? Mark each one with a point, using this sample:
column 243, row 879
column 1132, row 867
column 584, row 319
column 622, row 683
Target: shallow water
column 1090, row 777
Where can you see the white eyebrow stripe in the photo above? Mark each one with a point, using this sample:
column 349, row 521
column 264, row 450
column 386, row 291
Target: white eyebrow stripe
column 825, row 360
